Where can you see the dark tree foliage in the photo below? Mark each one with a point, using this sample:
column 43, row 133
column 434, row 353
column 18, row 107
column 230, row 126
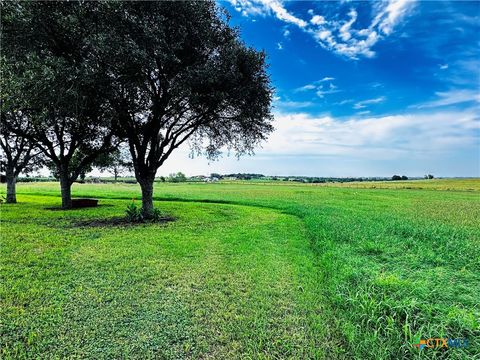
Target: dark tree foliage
column 180, row 73
column 55, row 78
column 116, row 162
column 158, row 73
column 177, row 177
column 398, row 177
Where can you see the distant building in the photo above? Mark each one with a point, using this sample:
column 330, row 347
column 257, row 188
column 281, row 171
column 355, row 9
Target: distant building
column 211, row 179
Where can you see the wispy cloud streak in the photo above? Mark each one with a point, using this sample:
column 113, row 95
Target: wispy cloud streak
column 340, row 36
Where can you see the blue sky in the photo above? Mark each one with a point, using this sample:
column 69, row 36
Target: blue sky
column 363, row 88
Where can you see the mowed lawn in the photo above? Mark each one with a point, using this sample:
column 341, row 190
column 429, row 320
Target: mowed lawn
column 247, row 270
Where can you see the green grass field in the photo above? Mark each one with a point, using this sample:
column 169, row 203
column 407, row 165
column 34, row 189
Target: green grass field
column 247, row 270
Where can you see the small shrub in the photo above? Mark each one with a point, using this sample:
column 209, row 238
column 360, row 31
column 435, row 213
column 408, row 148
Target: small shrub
column 157, row 215
column 133, row 213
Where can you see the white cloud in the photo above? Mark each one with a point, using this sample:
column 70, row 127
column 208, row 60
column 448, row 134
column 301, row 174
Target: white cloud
column 354, row 47
column 286, row 33
column 343, row 102
column 339, row 36
column 362, row 104
column 327, row 78
column 345, row 28
column 377, row 137
column 452, row 97
column 366, row 112
column 321, row 93
column 294, row 104
column 279, row 46
column 443, row 66
column 319, row 86
column 317, row 20
column 323, row 35
column 390, row 15
column 343, row 38
column 306, row 88
column 283, row 14
column 264, row 7
column 247, row 8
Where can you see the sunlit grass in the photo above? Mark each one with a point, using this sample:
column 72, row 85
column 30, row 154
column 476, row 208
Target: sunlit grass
column 468, row 184
column 247, row 270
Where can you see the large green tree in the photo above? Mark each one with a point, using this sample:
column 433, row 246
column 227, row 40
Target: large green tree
column 157, row 74
column 180, row 73
column 56, row 80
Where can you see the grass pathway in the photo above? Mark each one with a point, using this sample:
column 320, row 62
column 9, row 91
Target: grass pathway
column 221, row 282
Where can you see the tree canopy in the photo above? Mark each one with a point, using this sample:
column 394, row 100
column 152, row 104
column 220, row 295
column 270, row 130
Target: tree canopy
column 181, row 73
column 154, row 74
column 57, row 81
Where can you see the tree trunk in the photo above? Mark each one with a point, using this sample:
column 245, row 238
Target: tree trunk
column 11, row 187
column 147, row 197
column 66, row 188
column 115, row 174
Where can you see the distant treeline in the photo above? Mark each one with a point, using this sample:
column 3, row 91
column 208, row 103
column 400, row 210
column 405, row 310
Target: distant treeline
column 34, row 179
column 180, row 177
column 309, row 179
column 90, row 180
column 240, row 176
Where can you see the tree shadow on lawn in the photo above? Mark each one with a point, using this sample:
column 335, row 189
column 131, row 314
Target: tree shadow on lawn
column 116, row 221
column 59, row 207
column 120, row 221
